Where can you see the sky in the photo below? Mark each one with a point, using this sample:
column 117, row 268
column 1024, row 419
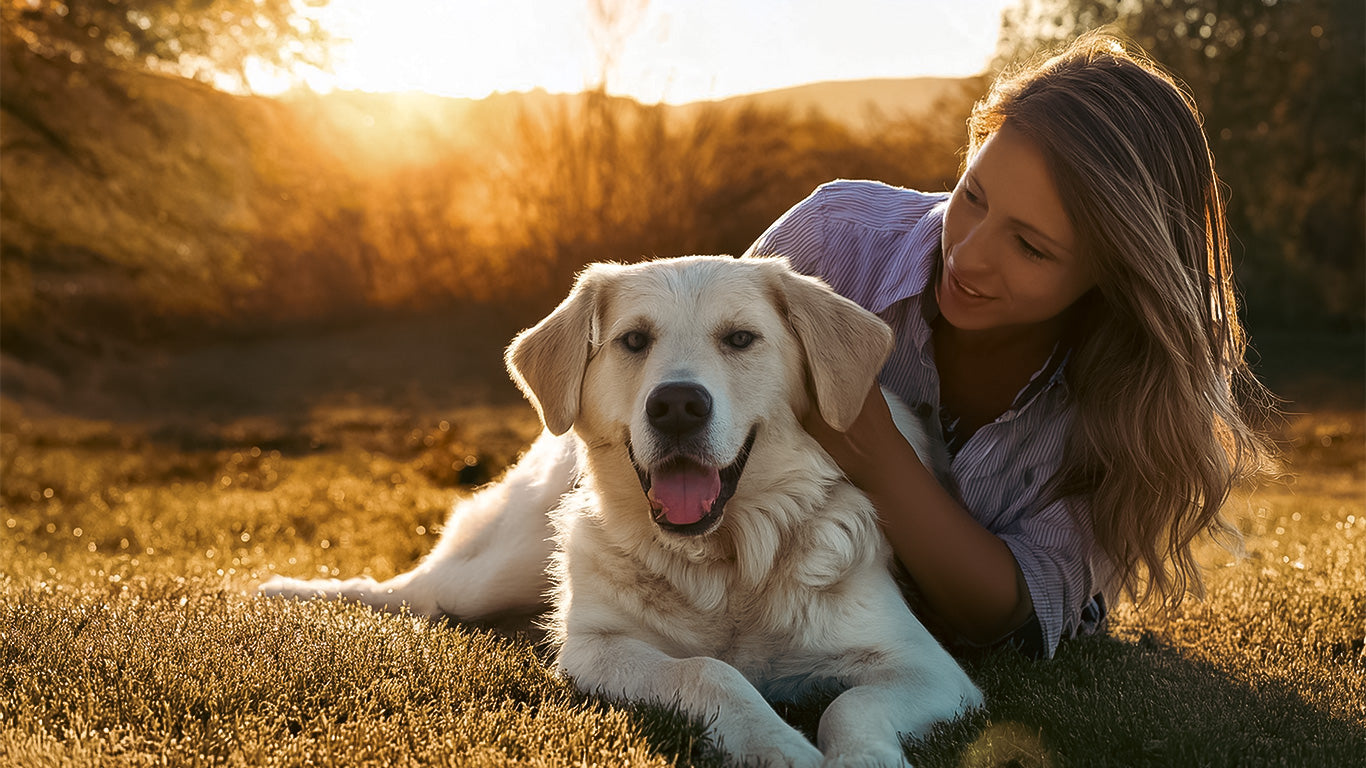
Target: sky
column 676, row 51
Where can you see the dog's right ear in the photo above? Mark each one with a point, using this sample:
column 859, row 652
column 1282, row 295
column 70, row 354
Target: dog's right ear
column 845, row 345
column 548, row 360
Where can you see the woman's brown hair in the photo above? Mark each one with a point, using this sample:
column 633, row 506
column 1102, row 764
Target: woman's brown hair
column 1165, row 402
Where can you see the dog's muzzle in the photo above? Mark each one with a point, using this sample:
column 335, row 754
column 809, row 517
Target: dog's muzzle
column 688, row 497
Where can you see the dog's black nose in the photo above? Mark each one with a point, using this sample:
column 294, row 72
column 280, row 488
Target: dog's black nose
column 678, row 409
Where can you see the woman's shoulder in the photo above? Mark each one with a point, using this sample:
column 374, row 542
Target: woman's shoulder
column 869, row 240
column 873, row 204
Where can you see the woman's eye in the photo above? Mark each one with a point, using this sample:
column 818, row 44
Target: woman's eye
column 739, row 339
column 971, row 197
column 635, row 341
column 1030, row 251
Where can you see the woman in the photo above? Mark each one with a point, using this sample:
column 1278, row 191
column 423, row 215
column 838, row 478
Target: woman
column 1068, row 314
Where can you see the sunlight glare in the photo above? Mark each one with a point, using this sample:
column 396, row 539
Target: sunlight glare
column 679, row 51
column 469, row 49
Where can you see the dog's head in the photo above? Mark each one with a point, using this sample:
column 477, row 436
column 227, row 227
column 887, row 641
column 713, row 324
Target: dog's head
column 683, row 364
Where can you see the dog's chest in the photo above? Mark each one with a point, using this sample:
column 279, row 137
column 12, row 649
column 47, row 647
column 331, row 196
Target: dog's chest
column 773, row 597
column 788, row 615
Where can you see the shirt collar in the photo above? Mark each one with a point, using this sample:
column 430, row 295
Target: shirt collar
column 909, row 271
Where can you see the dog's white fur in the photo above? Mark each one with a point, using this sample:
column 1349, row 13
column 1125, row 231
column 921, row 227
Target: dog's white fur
column 789, row 593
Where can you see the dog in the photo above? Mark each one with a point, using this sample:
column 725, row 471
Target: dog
column 703, row 550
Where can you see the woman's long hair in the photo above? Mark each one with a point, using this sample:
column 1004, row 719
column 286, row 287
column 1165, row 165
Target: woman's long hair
column 1164, row 398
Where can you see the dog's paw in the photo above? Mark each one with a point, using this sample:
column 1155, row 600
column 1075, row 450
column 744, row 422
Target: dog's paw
column 314, row 589
column 382, row 596
column 283, row 586
column 867, row 758
column 780, row 759
column 784, row 753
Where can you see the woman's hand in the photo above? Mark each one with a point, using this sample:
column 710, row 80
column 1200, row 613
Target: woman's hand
column 872, row 451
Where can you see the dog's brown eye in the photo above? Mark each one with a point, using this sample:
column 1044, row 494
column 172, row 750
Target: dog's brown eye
column 635, row 341
column 740, row 339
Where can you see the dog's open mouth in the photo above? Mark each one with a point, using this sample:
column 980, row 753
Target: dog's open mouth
column 687, row 497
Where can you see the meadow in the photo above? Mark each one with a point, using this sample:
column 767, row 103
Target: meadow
column 131, row 539
column 207, row 378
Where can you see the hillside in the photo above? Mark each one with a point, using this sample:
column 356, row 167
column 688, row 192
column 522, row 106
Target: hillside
column 866, row 103
column 854, row 103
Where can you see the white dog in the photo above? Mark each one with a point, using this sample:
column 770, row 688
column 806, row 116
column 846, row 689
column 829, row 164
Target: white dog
column 710, row 554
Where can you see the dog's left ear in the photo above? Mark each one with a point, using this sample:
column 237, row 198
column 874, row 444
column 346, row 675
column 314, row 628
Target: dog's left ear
column 548, row 360
column 845, row 344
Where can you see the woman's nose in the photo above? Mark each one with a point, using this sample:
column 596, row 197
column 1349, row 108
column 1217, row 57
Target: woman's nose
column 973, row 252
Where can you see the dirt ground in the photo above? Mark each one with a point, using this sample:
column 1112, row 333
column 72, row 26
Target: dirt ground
column 452, row 360
column 420, row 363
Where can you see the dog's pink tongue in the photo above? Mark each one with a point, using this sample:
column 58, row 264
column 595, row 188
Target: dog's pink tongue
column 684, row 493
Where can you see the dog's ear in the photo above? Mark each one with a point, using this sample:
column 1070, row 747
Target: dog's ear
column 845, row 345
column 548, row 360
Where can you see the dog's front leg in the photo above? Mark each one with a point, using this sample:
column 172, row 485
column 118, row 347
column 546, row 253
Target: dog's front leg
column 741, row 722
column 865, row 724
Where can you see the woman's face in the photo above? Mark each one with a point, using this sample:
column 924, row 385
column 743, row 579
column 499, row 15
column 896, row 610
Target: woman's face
column 1010, row 252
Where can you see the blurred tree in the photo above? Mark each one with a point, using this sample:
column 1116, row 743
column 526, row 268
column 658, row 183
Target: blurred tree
column 1282, row 84
column 204, row 39
column 131, row 198
column 596, row 177
column 610, row 24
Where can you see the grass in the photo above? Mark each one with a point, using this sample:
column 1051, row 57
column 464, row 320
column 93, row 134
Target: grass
column 128, row 635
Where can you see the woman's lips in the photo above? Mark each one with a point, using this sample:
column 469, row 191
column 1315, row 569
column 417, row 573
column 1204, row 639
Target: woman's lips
column 964, row 288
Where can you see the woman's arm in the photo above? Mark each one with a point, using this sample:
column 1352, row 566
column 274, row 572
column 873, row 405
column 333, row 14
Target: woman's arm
column 968, row 575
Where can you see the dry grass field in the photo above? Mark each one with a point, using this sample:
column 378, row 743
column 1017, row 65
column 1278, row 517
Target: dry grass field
column 133, row 529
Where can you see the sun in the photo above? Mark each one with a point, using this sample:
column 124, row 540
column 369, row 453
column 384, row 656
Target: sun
column 466, row 49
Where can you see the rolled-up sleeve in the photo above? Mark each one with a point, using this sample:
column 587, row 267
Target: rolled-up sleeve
column 1054, row 553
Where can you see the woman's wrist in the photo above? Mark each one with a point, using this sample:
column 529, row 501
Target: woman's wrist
column 897, row 474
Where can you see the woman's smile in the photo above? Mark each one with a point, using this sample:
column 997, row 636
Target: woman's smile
column 964, row 288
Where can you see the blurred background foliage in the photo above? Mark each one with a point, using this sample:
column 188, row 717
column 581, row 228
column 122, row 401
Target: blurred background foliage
column 140, row 203
column 203, row 39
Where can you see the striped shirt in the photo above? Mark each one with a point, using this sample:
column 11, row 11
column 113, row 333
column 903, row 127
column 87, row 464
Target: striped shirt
column 879, row 245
